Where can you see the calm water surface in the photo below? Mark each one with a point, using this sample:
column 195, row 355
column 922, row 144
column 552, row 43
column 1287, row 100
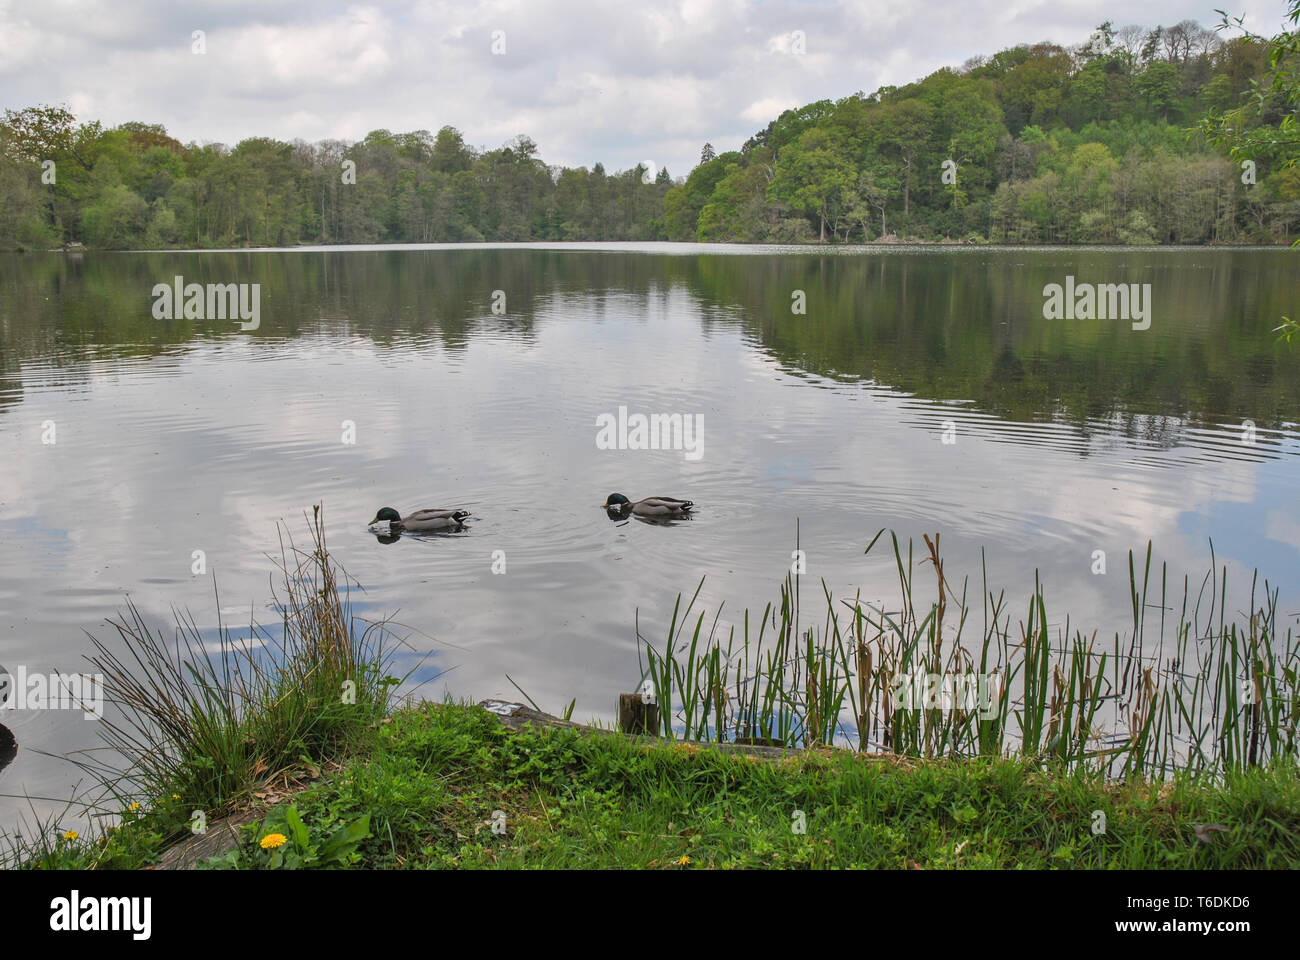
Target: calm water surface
column 185, row 435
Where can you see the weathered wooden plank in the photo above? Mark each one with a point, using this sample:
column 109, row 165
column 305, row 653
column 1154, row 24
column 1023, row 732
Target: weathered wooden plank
column 219, row 838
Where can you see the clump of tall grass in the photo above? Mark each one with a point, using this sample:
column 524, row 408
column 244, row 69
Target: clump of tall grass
column 210, row 721
column 1201, row 695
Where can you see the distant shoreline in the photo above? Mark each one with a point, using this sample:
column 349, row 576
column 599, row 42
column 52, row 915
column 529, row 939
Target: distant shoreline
column 657, row 246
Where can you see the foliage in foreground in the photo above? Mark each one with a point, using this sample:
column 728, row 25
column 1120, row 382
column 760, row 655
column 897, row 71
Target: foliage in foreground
column 433, row 782
column 448, row 786
column 1195, row 692
column 196, row 726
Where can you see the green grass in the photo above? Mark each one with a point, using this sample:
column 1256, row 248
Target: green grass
column 425, row 789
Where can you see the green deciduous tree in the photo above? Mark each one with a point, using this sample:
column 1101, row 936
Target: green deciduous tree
column 811, row 176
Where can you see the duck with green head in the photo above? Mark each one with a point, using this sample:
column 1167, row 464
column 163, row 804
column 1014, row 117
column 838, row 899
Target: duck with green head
column 421, row 521
column 662, row 507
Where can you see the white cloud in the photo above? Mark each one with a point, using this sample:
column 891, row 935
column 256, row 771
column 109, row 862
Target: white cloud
column 614, row 83
column 761, row 111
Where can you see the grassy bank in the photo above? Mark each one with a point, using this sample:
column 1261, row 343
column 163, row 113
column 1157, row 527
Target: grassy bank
column 424, row 788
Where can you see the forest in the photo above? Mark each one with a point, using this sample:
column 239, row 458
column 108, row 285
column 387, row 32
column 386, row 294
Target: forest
column 1112, row 141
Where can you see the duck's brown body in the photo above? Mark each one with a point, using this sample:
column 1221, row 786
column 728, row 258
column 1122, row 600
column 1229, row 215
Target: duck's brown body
column 650, row 506
column 422, row 521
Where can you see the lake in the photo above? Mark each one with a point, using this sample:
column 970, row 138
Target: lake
column 920, row 389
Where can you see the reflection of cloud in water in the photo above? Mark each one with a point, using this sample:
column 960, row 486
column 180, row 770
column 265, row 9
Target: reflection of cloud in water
column 237, row 642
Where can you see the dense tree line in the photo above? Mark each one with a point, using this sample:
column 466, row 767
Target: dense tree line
column 135, row 186
column 1096, row 144
column 1033, row 144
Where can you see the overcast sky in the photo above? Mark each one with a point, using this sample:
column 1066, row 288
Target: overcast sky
column 619, row 83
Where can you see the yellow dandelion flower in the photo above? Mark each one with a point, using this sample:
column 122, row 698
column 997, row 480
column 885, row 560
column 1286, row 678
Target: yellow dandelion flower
column 273, row 840
column 70, row 834
column 134, row 807
column 683, row 861
column 176, row 796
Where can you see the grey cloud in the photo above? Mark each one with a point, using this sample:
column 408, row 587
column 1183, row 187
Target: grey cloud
column 611, row 82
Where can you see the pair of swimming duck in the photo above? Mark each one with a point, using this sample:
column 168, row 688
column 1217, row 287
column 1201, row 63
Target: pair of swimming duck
column 428, row 521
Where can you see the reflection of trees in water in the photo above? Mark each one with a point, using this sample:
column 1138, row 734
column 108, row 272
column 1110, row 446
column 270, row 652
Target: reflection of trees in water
column 53, row 309
column 968, row 325
column 11, row 388
column 945, row 325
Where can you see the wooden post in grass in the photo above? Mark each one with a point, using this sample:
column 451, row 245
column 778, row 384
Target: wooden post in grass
column 637, row 716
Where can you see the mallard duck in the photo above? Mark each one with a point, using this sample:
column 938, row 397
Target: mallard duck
column 650, row 506
column 421, row 521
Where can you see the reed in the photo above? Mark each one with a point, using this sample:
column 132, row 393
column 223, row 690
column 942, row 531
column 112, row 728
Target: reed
column 1204, row 694
column 210, row 721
